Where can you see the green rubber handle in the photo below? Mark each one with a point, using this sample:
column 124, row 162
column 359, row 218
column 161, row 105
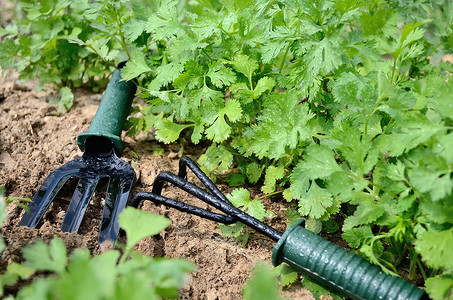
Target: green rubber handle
column 112, row 112
column 338, row 269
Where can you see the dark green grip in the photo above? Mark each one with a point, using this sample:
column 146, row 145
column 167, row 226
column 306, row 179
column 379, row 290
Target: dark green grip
column 337, row 268
column 112, row 112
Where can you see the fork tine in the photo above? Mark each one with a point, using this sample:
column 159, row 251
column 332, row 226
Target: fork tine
column 116, row 198
column 45, row 195
column 79, row 204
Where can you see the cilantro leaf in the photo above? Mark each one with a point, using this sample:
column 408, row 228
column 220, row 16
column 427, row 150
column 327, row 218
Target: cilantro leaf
column 220, row 75
column 438, row 184
column 443, row 147
column 241, row 198
column 286, row 273
column 356, row 149
column 413, row 130
column 139, row 224
column 442, row 101
column 219, row 131
column 93, row 277
column 435, row 248
column 133, row 28
column 44, row 257
column 167, row 131
column 9, row 51
column 267, row 139
column 366, row 213
column 278, row 40
column 166, row 73
column 263, row 84
column 272, row 175
column 66, row 99
column 318, row 162
column 135, row 67
column 357, row 236
column 245, row 65
column 315, row 201
column 99, row 46
column 216, row 157
column 254, row 172
column 164, row 23
column 440, row 287
column 233, row 230
column 262, row 285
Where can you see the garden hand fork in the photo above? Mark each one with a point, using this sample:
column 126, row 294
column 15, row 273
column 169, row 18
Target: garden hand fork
column 101, row 144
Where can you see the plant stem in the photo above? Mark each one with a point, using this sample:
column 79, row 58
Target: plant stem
column 393, row 70
column 207, row 54
column 269, row 195
column 420, row 266
column 373, row 109
column 282, row 63
column 124, row 256
column 251, row 82
column 121, row 35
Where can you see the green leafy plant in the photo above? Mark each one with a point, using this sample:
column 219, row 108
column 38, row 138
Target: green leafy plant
column 263, row 284
column 286, row 274
column 241, row 198
column 2, row 214
column 64, row 103
column 18, row 201
column 109, row 275
column 318, row 291
column 343, row 106
column 40, row 44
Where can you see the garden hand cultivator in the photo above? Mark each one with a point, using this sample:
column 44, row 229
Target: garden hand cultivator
column 322, row 261
column 101, row 144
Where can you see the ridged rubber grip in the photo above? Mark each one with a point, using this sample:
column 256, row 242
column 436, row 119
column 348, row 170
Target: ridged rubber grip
column 339, row 269
column 112, row 112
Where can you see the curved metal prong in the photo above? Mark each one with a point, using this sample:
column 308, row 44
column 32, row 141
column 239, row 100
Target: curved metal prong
column 184, row 207
column 191, row 189
column 185, row 162
column 79, row 204
column 118, row 191
column 232, row 213
column 46, row 193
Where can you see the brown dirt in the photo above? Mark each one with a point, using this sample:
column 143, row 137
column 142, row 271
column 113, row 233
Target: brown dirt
column 35, row 140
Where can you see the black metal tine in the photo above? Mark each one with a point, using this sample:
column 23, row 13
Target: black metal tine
column 47, row 192
column 79, row 204
column 193, row 190
column 118, row 191
column 184, row 207
column 185, row 162
column 231, row 211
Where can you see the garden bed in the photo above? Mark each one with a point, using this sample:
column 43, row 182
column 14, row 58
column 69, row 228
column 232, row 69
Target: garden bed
column 35, row 140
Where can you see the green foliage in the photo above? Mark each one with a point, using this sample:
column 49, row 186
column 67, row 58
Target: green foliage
column 64, row 103
column 18, row 201
column 110, row 275
column 318, row 291
column 286, row 274
column 134, row 221
column 262, row 285
column 241, row 198
column 436, row 248
column 2, row 205
column 341, row 106
column 440, row 287
column 44, row 42
column 2, row 214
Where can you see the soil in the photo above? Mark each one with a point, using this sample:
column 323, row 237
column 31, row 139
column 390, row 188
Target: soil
column 35, row 139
